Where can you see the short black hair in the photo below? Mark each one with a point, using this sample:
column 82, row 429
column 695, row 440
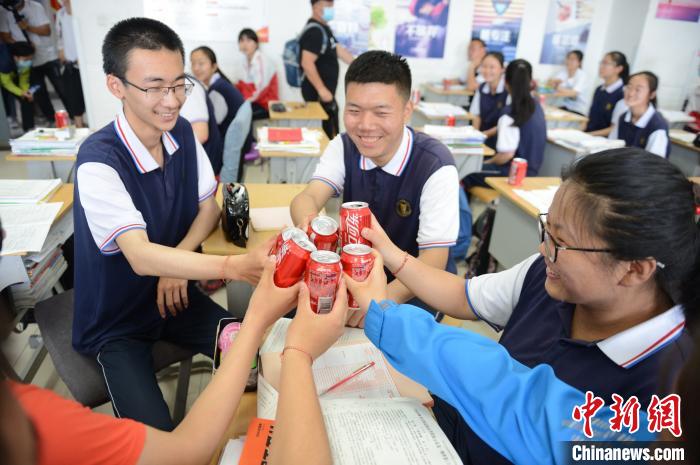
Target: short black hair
column 249, row 34
column 21, row 49
column 131, row 33
column 383, row 67
column 476, row 39
column 578, row 54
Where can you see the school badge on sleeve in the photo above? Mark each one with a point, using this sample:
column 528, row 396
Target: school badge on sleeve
column 608, row 107
column 403, row 208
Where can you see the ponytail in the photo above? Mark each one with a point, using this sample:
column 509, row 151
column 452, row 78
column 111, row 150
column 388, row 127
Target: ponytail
column 620, row 59
column 518, row 78
column 212, row 57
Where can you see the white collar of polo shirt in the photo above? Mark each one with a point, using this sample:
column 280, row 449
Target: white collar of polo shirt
column 214, row 77
column 613, row 87
column 638, row 342
column 644, row 120
column 400, row 159
column 499, row 88
column 141, row 156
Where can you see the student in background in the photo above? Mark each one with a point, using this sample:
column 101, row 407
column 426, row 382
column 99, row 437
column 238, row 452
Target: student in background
column 570, row 84
column 259, row 85
column 476, row 52
column 641, row 125
column 490, row 98
column 615, row 72
column 199, row 111
column 230, row 110
column 38, row 427
column 522, row 130
column 408, row 178
column 68, row 56
column 599, row 304
column 17, row 81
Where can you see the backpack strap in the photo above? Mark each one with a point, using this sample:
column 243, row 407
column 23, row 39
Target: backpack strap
column 323, row 33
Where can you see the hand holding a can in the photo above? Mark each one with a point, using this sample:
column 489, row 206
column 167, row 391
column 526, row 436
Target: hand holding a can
column 249, row 267
column 312, row 332
column 392, row 255
column 269, row 303
column 372, row 288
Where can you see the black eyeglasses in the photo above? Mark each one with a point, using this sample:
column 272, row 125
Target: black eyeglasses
column 551, row 247
column 180, row 90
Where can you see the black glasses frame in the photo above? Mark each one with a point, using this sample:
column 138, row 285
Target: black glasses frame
column 162, row 90
column 552, row 255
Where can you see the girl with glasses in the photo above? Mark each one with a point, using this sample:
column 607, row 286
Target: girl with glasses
column 614, row 71
column 641, row 125
column 598, row 306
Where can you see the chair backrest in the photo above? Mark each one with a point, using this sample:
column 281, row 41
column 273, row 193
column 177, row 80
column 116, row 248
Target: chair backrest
column 81, row 373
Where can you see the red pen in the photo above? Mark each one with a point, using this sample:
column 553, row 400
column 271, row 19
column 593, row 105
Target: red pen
column 359, row 371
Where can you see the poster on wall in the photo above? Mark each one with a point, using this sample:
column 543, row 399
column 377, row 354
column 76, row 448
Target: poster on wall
column 214, row 21
column 679, row 10
column 567, row 28
column 421, row 28
column 497, row 22
column 362, row 25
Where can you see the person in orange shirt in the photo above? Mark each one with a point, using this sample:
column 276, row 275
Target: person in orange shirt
column 38, row 427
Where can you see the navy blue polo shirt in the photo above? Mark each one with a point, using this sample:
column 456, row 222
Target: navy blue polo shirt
column 491, row 107
column 537, row 330
column 120, row 187
column 604, row 101
column 533, row 138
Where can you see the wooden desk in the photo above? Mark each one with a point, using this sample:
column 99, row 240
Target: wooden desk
column 43, row 159
column 558, row 118
column 247, row 409
column 419, row 119
column 291, row 167
column 63, row 194
column 684, row 155
column 515, row 234
column 455, row 94
column 298, row 115
column 261, row 195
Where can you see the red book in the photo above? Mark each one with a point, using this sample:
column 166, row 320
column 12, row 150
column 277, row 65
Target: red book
column 256, row 450
column 284, row 135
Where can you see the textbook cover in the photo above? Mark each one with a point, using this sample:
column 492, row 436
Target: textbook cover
column 256, row 450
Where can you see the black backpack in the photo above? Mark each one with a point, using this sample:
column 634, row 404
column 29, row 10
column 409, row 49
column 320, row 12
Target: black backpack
column 480, row 261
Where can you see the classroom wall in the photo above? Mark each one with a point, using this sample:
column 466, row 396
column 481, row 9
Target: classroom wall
column 670, row 49
column 611, row 25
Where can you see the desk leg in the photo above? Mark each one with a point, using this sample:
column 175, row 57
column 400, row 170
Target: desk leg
column 515, row 235
column 555, row 158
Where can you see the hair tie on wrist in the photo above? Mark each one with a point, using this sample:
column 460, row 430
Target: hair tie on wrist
column 311, row 359
column 405, row 259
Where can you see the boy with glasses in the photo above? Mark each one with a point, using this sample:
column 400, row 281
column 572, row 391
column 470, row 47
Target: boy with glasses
column 144, row 201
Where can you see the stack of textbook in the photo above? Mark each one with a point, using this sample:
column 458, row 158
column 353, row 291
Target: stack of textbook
column 461, row 140
column 49, row 142
column 294, row 140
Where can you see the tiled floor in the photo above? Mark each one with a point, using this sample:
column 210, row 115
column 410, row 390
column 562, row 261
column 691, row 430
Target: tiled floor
column 20, row 352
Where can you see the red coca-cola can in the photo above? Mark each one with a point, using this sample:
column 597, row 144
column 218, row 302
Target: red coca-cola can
column 322, row 278
column 323, row 232
column 357, row 261
column 62, row 120
column 446, row 84
column 292, row 258
column 518, row 170
column 285, row 234
column 451, row 120
column 354, row 217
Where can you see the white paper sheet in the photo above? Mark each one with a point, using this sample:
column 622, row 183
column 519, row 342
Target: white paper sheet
column 538, row 198
column 232, row 452
column 267, row 399
column 26, row 190
column 385, row 432
column 339, row 362
column 270, row 218
column 441, row 109
column 26, row 226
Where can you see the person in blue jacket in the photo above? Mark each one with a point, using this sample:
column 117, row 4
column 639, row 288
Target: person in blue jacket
column 521, row 129
column 599, row 304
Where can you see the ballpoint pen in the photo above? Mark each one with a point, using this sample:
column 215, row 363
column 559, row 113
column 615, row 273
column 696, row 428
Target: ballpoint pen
column 357, row 372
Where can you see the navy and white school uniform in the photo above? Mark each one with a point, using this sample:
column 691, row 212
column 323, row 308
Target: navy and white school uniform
column 489, row 107
column 199, row 109
column 120, row 187
column 414, row 196
column 650, row 132
column 537, row 330
column 527, row 141
column 577, row 82
column 605, row 98
column 226, row 100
